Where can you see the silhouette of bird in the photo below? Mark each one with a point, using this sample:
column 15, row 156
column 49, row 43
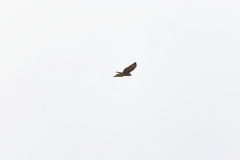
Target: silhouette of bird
column 126, row 71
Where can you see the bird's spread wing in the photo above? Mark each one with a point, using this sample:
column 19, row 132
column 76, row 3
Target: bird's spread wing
column 130, row 68
column 119, row 75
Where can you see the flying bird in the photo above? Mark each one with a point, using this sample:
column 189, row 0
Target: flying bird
column 126, row 71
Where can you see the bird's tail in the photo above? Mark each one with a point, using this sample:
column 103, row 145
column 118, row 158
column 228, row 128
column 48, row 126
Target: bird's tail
column 118, row 72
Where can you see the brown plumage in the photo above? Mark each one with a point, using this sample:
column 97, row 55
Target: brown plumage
column 126, row 71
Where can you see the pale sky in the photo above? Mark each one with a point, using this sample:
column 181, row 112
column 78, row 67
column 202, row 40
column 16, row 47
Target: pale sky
column 59, row 100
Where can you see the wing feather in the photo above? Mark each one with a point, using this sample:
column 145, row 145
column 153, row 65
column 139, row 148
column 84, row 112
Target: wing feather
column 130, row 68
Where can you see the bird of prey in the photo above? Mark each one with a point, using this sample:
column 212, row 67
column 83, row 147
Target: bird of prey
column 126, row 71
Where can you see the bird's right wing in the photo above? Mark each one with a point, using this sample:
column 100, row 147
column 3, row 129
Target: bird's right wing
column 119, row 75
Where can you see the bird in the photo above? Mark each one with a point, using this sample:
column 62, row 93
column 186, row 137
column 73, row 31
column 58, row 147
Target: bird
column 126, row 71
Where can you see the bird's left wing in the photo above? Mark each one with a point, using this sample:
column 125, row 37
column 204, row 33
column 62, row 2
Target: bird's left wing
column 130, row 68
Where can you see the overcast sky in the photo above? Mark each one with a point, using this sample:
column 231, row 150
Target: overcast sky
column 59, row 100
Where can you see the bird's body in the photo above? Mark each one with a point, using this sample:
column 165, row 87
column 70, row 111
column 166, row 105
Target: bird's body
column 126, row 71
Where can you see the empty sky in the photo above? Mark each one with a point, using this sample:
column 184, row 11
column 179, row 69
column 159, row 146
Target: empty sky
column 59, row 100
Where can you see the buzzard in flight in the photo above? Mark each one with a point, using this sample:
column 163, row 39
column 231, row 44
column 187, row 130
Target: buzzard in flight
column 126, row 71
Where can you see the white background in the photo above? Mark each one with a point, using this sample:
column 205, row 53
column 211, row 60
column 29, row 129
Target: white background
column 59, row 100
